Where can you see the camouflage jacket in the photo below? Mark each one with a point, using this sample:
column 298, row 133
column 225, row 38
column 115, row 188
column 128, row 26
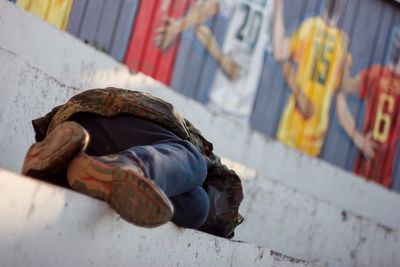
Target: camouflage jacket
column 222, row 184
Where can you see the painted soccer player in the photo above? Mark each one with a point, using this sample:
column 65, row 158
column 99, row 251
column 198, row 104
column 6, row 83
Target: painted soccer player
column 247, row 39
column 312, row 59
column 379, row 86
column 248, row 35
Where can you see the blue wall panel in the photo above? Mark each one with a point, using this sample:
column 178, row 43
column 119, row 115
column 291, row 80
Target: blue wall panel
column 107, row 24
column 123, row 29
column 76, row 16
column 91, row 19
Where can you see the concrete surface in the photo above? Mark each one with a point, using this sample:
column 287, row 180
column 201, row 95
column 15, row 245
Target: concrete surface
column 71, row 62
column 43, row 225
column 277, row 216
column 297, row 205
column 296, row 224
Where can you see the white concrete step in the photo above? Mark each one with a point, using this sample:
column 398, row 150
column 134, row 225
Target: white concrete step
column 277, row 216
column 73, row 64
column 303, row 226
column 300, row 206
column 44, row 225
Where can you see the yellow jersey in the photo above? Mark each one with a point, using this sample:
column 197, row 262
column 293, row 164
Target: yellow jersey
column 56, row 12
column 318, row 51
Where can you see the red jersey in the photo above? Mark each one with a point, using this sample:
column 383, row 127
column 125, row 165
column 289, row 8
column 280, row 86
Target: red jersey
column 380, row 87
column 142, row 53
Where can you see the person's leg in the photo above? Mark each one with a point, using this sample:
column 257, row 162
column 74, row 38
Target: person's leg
column 175, row 166
column 191, row 208
column 179, row 170
column 48, row 160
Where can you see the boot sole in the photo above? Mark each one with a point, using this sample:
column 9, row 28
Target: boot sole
column 134, row 197
column 54, row 153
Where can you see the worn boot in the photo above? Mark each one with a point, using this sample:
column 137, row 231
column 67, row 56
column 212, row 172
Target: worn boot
column 52, row 156
column 119, row 181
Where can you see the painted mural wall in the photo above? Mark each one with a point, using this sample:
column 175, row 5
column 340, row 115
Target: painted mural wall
column 320, row 76
column 55, row 12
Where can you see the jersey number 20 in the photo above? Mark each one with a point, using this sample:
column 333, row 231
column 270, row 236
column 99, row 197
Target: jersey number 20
column 250, row 26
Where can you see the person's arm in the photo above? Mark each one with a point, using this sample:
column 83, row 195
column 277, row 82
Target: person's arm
column 282, row 54
column 303, row 103
column 226, row 62
column 346, row 120
column 351, row 84
column 198, row 13
column 280, row 42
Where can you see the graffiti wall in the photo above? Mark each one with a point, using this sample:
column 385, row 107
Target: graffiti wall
column 320, row 76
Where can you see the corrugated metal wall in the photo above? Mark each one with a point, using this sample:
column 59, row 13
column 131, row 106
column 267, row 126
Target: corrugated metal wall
column 54, row 12
column 127, row 30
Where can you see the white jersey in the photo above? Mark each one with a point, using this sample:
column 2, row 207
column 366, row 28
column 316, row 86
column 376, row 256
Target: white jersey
column 247, row 38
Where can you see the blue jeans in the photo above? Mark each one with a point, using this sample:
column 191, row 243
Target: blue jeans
column 174, row 164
